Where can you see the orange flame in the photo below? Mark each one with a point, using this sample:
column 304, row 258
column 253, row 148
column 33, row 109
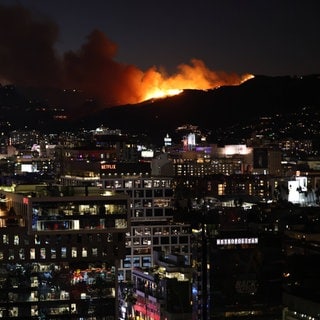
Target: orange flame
column 94, row 70
column 157, row 84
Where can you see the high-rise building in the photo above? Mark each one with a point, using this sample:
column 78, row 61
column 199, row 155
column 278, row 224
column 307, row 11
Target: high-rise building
column 152, row 227
column 59, row 252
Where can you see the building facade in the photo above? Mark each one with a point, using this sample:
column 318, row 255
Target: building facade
column 152, row 227
column 163, row 291
column 60, row 251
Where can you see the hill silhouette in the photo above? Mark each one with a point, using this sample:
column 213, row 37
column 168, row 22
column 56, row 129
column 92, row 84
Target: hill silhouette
column 49, row 109
column 217, row 108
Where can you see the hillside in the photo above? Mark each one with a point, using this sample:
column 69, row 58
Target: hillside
column 51, row 110
column 213, row 109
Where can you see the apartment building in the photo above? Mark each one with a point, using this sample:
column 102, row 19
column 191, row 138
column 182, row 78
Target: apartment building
column 152, row 227
column 59, row 252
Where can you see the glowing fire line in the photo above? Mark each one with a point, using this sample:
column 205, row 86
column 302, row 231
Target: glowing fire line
column 158, row 93
column 195, row 76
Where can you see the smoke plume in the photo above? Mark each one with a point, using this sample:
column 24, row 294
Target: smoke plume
column 28, row 58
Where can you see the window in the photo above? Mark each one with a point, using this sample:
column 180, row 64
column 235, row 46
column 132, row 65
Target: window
column 16, row 240
column 183, row 239
column 147, row 183
column 146, row 261
column 34, row 310
column 174, row 240
column 32, row 253
column 127, row 263
column 136, row 262
column 11, row 254
column 158, row 212
column 128, row 184
column 164, row 240
column 21, row 254
column 74, row 252
column 146, row 241
column 34, row 282
column 13, row 312
column 63, row 252
column 5, row 239
column 36, row 239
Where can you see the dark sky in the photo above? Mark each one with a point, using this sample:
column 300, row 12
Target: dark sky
column 274, row 37
column 113, row 48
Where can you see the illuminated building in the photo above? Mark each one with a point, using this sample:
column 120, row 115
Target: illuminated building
column 163, row 291
column 151, row 213
column 200, row 161
column 151, row 216
column 299, row 190
column 206, row 166
column 60, row 250
column 203, row 160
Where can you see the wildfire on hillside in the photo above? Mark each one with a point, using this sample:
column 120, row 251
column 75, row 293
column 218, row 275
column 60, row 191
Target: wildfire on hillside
column 193, row 76
column 93, row 68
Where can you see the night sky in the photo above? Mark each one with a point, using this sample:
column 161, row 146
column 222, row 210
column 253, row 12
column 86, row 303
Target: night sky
column 274, row 37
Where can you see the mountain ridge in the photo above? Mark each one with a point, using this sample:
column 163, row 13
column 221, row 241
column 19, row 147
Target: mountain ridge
column 216, row 108
column 211, row 109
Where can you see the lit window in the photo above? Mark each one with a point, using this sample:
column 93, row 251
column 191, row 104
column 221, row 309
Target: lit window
column 34, row 310
column 21, row 254
column 5, row 239
column 74, row 252
column 16, row 240
column 63, row 252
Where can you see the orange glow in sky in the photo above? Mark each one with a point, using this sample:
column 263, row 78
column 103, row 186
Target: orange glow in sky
column 156, row 84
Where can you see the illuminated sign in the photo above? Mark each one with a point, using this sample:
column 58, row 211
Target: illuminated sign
column 109, row 166
column 147, row 154
column 125, row 168
column 231, row 241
